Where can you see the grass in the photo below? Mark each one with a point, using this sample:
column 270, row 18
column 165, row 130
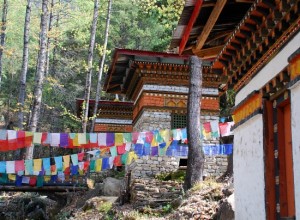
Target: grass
column 208, row 183
column 177, row 176
column 105, row 207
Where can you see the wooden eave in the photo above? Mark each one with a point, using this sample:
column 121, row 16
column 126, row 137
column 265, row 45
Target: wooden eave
column 173, row 75
column 107, row 107
column 125, row 63
column 205, row 26
column 264, row 29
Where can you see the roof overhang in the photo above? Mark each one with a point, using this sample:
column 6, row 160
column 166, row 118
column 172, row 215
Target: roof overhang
column 205, row 25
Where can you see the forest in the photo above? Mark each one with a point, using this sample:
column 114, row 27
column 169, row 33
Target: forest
column 51, row 50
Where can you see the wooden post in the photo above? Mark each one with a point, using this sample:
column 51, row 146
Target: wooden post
column 195, row 162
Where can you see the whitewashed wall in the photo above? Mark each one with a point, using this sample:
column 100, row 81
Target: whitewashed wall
column 270, row 70
column 295, row 114
column 248, row 167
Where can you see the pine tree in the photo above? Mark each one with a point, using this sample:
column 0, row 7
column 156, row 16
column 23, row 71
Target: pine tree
column 195, row 161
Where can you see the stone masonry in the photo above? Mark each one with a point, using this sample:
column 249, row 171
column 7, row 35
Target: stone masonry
column 154, row 193
column 149, row 166
column 150, row 121
column 214, row 166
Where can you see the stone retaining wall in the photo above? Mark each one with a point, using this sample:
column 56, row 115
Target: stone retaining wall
column 215, row 166
column 153, row 193
column 147, row 166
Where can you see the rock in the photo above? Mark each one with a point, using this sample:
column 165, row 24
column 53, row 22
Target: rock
column 226, row 210
column 176, row 203
column 112, row 187
column 90, row 194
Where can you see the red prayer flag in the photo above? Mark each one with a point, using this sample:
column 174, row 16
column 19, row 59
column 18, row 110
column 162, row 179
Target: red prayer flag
column 207, row 127
column 21, row 139
column 19, row 165
column 223, row 128
column 44, row 138
column 121, row 149
column 86, row 165
column 3, row 145
column 117, row 161
column 32, row 181
column 80, row 156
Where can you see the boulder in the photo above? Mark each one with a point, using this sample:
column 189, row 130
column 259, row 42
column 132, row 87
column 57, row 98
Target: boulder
column 112, row 187
column 226, row 210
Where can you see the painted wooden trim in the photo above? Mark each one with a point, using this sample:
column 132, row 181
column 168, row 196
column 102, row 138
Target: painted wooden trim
column 190, row 25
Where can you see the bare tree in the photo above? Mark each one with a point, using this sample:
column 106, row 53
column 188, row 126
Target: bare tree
column 23, row 76
column 195, row 162
column 90, row 66
column 101, row 65
column 39, row 77
column 3, row 35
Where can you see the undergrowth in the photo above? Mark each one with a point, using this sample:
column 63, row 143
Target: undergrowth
column 177, row 176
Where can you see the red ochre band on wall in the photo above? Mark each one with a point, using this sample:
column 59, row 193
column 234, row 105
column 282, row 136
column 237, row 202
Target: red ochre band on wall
column 250, row 105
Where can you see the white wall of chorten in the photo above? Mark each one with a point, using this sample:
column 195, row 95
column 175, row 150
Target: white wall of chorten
column 295, row 106
column 248, row 169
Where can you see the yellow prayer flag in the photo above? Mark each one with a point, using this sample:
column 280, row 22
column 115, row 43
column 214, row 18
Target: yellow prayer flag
column 131, row 157
column 75, row 140
column 98, row 165
column 37, row 165
column 165, row 134
column 66, row 161
column 168, row 143
column 47, row 178
column 12, row 177
column 28, row 133
column 154, row 143
column 119, row 139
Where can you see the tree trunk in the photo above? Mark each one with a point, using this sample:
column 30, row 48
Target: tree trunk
column 195, row 161
column 23, row 76
column 90, row 66
column 101, row 66
column 39, row 77
column 54, row 62
column 49, row 40
column 3, row 35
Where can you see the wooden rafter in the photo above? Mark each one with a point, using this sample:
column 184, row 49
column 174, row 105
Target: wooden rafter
column 209, row 25
column 209, row 52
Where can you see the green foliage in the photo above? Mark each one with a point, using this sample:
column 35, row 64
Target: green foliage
column 105, row 207
column 167, row 208
column 178, row 176
column 208, row 183
column 227, row 102
column 119, row 174
column 136, row 24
